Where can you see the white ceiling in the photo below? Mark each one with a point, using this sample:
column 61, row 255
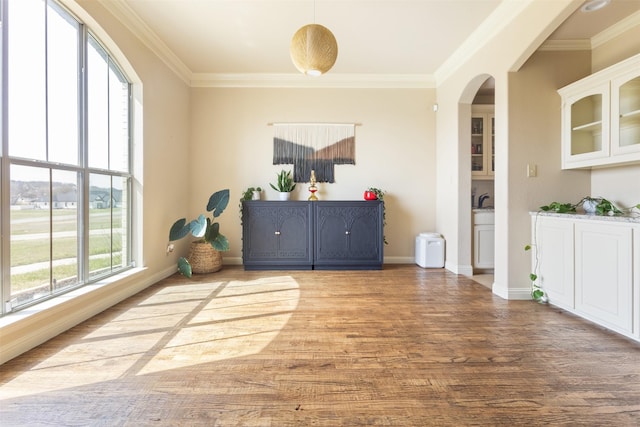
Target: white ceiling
column 375, row 37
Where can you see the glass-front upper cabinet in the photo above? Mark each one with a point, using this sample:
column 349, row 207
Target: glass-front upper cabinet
column 482, row 142
column 625, row 114
column 601, row 117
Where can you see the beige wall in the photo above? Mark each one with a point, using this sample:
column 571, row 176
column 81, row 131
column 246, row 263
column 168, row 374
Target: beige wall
column 232, row 147
column 499, row 56
column 534, row 138
column 621, row 185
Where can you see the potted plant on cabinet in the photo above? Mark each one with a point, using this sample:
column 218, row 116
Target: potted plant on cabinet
column 284, row 184
column 204, row 254
column 251, row 193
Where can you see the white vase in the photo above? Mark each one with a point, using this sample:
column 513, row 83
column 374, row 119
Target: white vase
column 589, row 206
column 285, row 195
column 255, row 195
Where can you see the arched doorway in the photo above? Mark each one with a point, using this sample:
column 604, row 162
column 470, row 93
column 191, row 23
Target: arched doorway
column 477, row 160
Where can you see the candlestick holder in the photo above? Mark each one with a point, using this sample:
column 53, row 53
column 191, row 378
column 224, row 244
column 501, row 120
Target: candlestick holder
column 313, row 188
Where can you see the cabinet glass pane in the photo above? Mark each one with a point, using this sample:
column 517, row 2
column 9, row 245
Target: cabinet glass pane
column 493, row 144
column 630, row 113
column 586, row 125
column 477, row 143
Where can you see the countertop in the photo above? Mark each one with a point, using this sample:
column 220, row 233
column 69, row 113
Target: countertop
column 633, row 218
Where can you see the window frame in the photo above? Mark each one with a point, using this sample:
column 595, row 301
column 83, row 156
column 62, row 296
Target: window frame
column 82, row 169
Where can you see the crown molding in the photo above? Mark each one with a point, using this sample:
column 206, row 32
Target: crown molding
column 141, row 30
column 565, row 45
column 502, row 16
column 331, row 80
column 130, row 19
column 615, row 30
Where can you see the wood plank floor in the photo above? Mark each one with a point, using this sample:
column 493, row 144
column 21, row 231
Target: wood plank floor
column 403, row 346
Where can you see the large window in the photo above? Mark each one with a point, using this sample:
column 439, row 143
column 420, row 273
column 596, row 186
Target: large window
column 65, row 168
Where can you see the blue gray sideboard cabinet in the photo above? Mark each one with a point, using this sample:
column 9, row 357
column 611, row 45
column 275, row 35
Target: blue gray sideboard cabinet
column 321, row 235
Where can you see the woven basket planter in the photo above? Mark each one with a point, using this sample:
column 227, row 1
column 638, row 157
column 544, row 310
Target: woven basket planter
column 203, row 258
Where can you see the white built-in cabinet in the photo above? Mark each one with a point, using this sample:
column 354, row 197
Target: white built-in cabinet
column 483, row 239
column 590, row 266
column 482, row 142
column 601, row 117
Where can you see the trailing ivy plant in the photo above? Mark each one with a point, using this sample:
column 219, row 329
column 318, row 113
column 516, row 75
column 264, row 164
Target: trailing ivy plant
column 380, row 195
column 559, row 207
column 603, row 207
column 537, row 293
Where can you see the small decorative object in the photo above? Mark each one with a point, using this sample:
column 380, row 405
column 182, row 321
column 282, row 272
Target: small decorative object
column 207, row 231
column 589, row 205
column 284, row 184
column 370, row 195
column 312, row 187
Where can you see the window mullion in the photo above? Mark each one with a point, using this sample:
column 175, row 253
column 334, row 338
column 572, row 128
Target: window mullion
column 5, row 273
column 83, row 211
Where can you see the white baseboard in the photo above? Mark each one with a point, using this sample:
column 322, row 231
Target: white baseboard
column 387, row 260
column 511, row 293
column 465, row 270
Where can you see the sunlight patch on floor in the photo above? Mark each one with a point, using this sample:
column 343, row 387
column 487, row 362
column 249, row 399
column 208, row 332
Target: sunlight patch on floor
column 178, row 326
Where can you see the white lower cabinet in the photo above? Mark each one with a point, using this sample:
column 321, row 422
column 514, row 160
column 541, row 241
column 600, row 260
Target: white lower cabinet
column 604, row 274
column 590, row 267
column 483, row 240
column 555, row 260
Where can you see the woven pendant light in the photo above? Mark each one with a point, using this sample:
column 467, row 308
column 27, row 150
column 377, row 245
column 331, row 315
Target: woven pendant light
column 313, row 49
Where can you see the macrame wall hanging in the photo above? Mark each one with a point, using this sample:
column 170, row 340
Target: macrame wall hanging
column 314, row 146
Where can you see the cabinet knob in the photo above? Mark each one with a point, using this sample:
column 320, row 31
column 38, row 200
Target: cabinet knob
column 277, row 233
column 347, row 232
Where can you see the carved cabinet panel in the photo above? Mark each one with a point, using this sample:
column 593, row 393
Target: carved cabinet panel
column 348, row 233
column 277, row 234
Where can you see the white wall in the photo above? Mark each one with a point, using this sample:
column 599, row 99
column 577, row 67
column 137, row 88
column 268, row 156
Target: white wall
column 232, row 147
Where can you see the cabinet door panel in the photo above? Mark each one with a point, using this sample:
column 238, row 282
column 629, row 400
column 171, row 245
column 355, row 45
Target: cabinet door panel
column 263, row 242
column 277, row 235
column 484, row 246
column 331, row 237
column 348, row 234
column 554, row 250
column 293, row 229
column 604, row 275
column 363, row 235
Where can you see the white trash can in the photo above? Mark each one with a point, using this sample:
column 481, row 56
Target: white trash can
column 430, row 250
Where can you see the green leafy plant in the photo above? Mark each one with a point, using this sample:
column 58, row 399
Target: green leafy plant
column 204, row 228
column 559, row 207
column 602, row 206
column 380, row 195
column 537, row 293
column 284, row 183
column 248, row 193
